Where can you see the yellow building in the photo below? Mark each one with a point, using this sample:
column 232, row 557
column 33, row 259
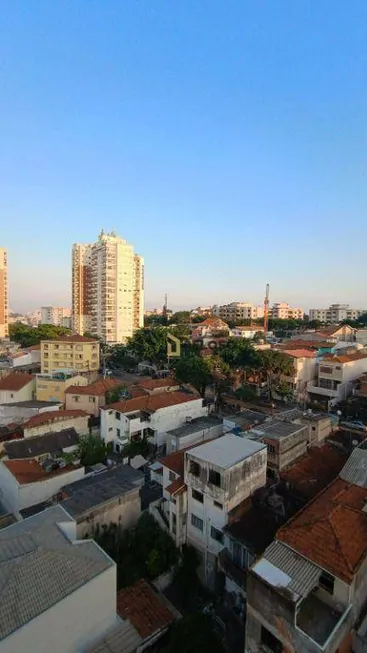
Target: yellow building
column 70, row 353
column 52, row 387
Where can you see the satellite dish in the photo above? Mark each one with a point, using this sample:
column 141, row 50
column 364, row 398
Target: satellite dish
column 355, row 443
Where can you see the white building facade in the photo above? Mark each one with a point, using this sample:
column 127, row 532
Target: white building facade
column 54, row 315
column 336, row 313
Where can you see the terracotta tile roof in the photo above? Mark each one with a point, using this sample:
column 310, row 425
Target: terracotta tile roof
column 153, row 384
column 53, row 416
column 346, row 358
column 34, row 347
column 315, row 470
column 334, row 328
column 151, row 403
column 147, row 612
column 176, row 487
column 15, row 381
column 299, row 353
column 305, row 344
column 331, row 531
column 213, row 322
column 97, row 388
column 30, row 471
column 72, row 338
column 175, row 461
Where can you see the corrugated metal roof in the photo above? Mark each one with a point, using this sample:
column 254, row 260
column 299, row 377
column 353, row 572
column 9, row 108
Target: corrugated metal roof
column 303, row 574
column 355, row 469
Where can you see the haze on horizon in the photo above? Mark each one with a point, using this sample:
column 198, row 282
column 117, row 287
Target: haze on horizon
column 225, row 140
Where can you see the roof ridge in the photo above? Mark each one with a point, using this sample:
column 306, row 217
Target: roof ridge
column 336, row 509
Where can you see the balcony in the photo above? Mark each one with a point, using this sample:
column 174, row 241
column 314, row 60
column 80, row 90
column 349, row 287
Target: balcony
column 325, row 392
column 320, row 621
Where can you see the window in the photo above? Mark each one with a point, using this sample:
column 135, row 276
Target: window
column 270, row 641
column 197, row 522
column 11, row 395
column 194, row 468
column 216, row 535
column 197, row 496
column 110, row 429
column 172, row 476
column 214, row 477
column 117, row 415
column 92, row 400
column 218, row 505
column 325, row 370
column 327, row 582
column 314, row 428
column 75, row 398
column 118, row 432
column 271, row 448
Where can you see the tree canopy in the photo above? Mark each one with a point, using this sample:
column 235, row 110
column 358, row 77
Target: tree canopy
column 92, row 450
column 28, row 336
column 239, row 352
column 195, row 370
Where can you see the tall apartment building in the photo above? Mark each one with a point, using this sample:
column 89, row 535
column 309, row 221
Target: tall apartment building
column 336, row 313
column 56, row 315
column 282, row 311
column 238, row 311
column 4, row 309
column 108, row 288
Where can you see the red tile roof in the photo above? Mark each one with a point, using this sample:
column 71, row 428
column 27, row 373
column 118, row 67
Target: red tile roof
column 299, row 353
column 15, row 381
column 176, row 487
column 213, row 322
column 53, row 416
column 151, row 403
column 153, row 384
column 148, row 613
column 72, row 338
column 331, row 531
column 30, row 471
column 345, row 358
column 34, row 347
column 175, row 461
column 97, row 388
column 315, row 470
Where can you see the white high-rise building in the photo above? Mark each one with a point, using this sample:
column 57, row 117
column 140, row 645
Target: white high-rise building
column 4, row 307
column 336, row 313
column 55, row 315
column 108, row 289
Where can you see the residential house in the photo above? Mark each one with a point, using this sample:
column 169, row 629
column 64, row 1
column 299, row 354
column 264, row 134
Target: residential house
column 320, row 427
column 338, row 333
column 336, row 313
column 194, row 431
column 104, row 498
column 286, row 441
column 57, row 593
column 73, row 352
column 335, row 377
column 52, row 387
column 219, row 476
column 28, row 358
column 304, row 370
column 90, row 398
column 26, row 482
column 209, row 328
column 308, row 590
column 150, row 416
column 20, row 411
column 170, row 510
column 54, row 421
column 17, row 386
column 51, row 446
column 248, row 332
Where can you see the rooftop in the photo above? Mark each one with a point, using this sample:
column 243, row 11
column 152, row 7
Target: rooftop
column 48, row 443
column 72, row 338
column 276, row 430
column 148, row 613
column 254, row 327
column 299, row 353
column 246, row 419
column 227, row 450
column 97, row 388
column 53, row 416
column 33, row 403
column 15, row 381
column 99, row 488
column 153, row 384
column 30, row 471
column 321, row 531
column 197, row 424
column 174, row 461
column 151, row 403
column 346, row 358
column 355, row 468
column 40, row 566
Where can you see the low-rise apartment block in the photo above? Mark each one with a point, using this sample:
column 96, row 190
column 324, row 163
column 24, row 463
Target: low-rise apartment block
column 90, row 398
column 238, row 311
column 282, row 311
column 4, row 302
column 74, row 352
column 335, row 377
column 336, row 313
column 304, row 370
column 151, row 416
column 248, row 332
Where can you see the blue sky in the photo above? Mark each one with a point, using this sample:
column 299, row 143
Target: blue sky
column 226, row 139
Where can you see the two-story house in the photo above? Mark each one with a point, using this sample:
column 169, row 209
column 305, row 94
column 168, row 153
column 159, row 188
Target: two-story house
column 304, row 370
column 307, row 591
column 219, row 476
column 17, row 386
column 150, row 416
column 335, row 376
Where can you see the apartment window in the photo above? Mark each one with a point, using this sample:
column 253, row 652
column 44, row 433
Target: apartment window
column 11, row 395
column 194, row 468
column 92, row 400
column 218, row 505
column 270, row 641
column 197, row 496
column 326, row 370
column 214, row 477
column 110, row 429
column 197, row 522
column 117, row 415
column 45, row 346
column 271, row 448
column 118, row 432
column 327, row 582
column 327, row 384
column 79, row 347
column 76, row 398
column 172, row 476
column 216, row 535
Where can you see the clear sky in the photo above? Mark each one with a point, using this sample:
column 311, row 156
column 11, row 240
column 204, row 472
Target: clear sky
column 226, row 139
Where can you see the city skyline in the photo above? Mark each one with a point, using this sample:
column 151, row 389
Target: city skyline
column 227, row 141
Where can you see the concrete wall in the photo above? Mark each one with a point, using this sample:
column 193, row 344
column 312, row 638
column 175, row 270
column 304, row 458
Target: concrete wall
column 80, row 424
column 91, row 404
column 124, row 511
column 175, row 443
column 48, row 389
column 25, row 394
column 318, row 430
column 72, row 624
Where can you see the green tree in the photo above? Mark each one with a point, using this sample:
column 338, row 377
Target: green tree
column 239, row 353
column 193, row 633
column 274, row 364
column 91, row 450
column 246, row 393
column 149, row 344
column 180, row 317
column 28, row 336
column 115, row 394
column 195, row 370
column 155, row 320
